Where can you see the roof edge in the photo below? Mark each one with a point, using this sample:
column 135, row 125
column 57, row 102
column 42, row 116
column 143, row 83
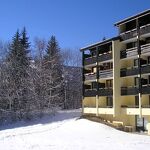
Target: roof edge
column 99, row 43
column 132, row 17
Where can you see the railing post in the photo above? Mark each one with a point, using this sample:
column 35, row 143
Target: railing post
column 139, row 65
column 83, row 88
column 97, row 79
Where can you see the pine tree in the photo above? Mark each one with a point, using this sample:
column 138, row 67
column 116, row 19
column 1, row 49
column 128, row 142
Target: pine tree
column 18, row 62
column 25, row 48
column 53, row 66
column 18, row 55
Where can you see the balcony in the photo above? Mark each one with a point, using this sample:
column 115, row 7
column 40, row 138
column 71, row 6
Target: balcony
column 132, row 52
column 128, row 53
column 134, row 90
column 106, row 74
column 145, row 69
column 128, row 35
column 90, row 76
column 146, row 89
column 129, row 91
column 129, row 72
column 145, row 48
column 89, row 61
column 133, row 33
column 145, row 29
column 105, row 57
column 105, row 92
column 90, row 92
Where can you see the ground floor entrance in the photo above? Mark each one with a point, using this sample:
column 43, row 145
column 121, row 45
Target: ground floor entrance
column 140, row 123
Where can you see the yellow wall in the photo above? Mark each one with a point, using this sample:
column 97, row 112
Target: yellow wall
column 127, row 120
column 89, row 102
column 145, row 99
column 102, row 102
column 127, row 100
column 128, row 81
column 127, row 63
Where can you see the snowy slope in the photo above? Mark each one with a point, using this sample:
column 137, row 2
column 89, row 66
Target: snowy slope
column 65, row 132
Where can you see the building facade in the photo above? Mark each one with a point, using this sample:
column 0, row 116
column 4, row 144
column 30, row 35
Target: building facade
column 116, row 74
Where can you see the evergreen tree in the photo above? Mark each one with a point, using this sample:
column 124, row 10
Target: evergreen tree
column 18, row 55
column 18, row 62
column 25, row 48
column 53, row 66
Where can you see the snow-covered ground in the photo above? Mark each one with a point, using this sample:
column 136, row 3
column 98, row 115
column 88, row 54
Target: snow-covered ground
column 65, row 131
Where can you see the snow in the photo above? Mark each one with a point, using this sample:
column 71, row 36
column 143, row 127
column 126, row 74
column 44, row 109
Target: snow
column 65, row 131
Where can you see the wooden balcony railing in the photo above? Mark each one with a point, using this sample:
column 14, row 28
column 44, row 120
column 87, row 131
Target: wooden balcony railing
column 89, row 60
column 128, row 35
column 133, row 33
column 145, row 29
column 106, row 73
column 129, row 91
column 128, row 53
column 105, row 92
column 91, row 76
column 129, row 72
column 90, row 92
column 105, row 57
column 145, row 48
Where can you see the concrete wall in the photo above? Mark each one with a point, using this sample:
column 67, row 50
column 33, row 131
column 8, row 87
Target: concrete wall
column 116, row 46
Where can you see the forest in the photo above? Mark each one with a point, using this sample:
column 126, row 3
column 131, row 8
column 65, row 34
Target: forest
column 32, row 85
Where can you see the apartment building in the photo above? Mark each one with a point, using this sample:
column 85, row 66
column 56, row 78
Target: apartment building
column 116, row 74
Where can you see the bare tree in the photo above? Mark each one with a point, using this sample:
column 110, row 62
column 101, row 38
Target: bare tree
column 40, row 48
column 72, row 78
column 72, row 57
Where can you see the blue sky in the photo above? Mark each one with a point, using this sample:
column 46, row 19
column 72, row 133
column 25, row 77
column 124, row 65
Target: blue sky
column 75, row 23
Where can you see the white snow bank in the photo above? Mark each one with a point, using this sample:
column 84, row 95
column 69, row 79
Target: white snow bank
column 65, row 132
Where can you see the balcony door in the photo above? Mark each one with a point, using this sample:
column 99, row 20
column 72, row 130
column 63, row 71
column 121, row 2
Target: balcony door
column 109, row 83
column 106, row 66
column 109, row 102
column 136, row 81
column 136, row 101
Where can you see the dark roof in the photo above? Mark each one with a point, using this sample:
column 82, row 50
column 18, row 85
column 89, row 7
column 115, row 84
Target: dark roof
column 99, row 43
column 133, row 17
